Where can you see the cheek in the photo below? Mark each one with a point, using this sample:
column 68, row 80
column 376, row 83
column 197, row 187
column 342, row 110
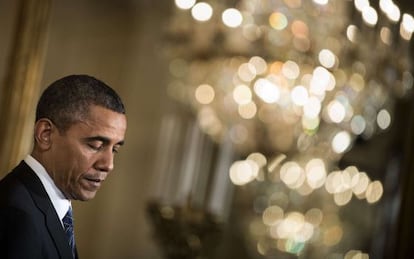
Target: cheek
column 76, row 161
column 84, row 160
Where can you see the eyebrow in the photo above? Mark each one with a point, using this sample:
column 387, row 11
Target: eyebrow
column 103, row 139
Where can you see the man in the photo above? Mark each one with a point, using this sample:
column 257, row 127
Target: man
column 80, row 125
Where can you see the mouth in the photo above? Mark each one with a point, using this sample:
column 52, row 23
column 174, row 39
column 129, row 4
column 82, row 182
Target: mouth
column 92, row 183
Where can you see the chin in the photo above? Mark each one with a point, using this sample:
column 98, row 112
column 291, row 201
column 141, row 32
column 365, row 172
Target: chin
column 85, row 196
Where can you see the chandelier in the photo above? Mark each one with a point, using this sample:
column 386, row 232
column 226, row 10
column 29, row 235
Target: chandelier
column 292, row 84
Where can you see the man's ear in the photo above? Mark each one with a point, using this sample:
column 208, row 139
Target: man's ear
column 42, row 133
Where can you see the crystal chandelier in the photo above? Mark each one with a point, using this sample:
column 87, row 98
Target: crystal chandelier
column 292, row 84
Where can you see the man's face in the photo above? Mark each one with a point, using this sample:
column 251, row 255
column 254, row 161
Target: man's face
column 82, row 157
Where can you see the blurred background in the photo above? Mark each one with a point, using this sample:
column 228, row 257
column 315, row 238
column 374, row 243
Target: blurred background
column 256, row 128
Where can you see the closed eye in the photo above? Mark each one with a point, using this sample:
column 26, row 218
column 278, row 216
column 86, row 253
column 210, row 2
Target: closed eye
column 95, row 146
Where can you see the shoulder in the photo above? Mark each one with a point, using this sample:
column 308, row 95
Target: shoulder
column 13, row 191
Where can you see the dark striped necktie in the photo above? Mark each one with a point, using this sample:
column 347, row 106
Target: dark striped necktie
column 68, row 225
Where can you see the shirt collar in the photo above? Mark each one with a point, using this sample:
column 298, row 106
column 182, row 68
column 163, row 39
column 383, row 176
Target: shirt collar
column 59, row 201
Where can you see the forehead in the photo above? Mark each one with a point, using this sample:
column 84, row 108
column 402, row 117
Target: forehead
column 101, row 121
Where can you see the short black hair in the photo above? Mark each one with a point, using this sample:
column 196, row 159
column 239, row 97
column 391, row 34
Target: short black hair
column 68, row 99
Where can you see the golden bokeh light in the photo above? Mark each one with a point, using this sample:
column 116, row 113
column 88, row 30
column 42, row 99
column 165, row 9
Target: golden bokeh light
column 184, row 4
column 202, row 11
column 356, row 254
column 299, row 95
column 267, row 90
column 247, row 72
column 290, row 69
column 242, row 94
column 248, row 110
column 272, row 215
column 278, row 21
column 327, row 58
column 383, row 119
column 291, row 173
column 204, row 94
column 259, row 64
column 341, row 142
column 370, row 16
column 336, row 111
column 374, row 191
column 315, row 173
column 243, row 172
column 294, row 84
column 232, row 17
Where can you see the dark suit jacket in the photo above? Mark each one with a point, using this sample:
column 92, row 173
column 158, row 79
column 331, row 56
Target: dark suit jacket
column 29, row 224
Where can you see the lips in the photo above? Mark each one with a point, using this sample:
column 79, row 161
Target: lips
column 93, row 179
column 92, row 183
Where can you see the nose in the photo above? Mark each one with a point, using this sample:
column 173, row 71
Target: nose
column 105, row 162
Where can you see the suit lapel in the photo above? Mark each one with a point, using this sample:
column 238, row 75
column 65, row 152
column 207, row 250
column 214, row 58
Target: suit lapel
column 42, row 201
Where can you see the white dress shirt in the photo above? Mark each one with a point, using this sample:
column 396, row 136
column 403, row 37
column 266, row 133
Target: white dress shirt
column 59, row 201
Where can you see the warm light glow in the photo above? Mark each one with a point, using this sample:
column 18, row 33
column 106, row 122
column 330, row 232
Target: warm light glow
column 243, row 172
column 386, row 35
column 370, row 16
column 408, row 23
column 247, row 72
column 374, row 192
column 248, row 110
column 310, row 123
column 321, row 2
column 383, row 119
column 266, row 90
column 184, row 4
column 299, row 95
column 208, row 121
column 351, row 33
column 242, row 94
column 204, row 94
column 407, row 27
column 322, row 80
column 278, row 21
column 292, row 174
column 232, row 17
column 312, row 108
column 272, row 215
column 290, row 69
column 361, row 184
column 343, row 198
column 258, row 158
column 390, row 9
column 358, row 124
column 202, row 12
column 314, row 216
column 259, row 64
column 315, row 173
column 300, row 29
column 297, row 78
column 336, row 111
column 356, row 254
column 357, row 82
column 327, row 58
column 341, row 142
column 361, row 5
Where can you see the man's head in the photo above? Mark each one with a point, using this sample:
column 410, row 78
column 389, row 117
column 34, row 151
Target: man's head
column 68, row 100
column 80, row 124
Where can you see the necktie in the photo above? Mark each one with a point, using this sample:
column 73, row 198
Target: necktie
column 68, row 225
